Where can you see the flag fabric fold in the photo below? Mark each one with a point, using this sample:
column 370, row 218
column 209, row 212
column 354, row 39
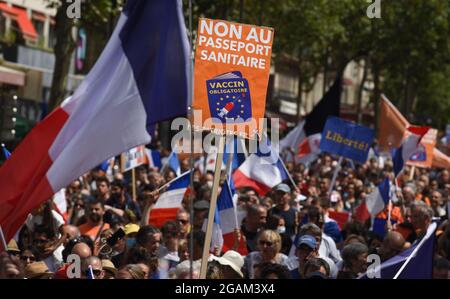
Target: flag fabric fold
column 141, row 78
column 169, row 202
column 262, row 170
column 419, row 265
column 153, row 158
column 378, row 199
column 225, row 222
column 408, row 147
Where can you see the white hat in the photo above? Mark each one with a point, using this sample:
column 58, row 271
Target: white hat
column 233, row 259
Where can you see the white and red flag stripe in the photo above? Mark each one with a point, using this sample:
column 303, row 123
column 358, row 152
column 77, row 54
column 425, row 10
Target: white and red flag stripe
column 169, row 202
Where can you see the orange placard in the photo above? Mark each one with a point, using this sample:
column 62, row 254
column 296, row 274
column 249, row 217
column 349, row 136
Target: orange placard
column 232, row 65
column 423, row 157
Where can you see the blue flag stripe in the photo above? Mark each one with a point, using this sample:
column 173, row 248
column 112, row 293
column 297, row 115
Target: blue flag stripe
column 154, row 40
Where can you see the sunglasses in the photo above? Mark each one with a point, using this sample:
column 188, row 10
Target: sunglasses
column 14, row 253
column 26, row 258
column 79, row 205
column 96, row 272
column 267, row 243
column 183, row 221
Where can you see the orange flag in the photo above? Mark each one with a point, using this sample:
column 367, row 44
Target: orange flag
column 392, row 126
column 440, row 160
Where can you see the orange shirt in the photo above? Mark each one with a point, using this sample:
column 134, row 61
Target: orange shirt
column 396, row 214
column 423, row 198
column 91, row 231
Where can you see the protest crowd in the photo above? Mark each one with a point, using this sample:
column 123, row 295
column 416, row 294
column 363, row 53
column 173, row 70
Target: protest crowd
column 300, row 231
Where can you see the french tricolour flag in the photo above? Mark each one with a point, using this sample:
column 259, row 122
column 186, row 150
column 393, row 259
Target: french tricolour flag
column 141, row 78
column 408, row 147
column 225, row 221
column 379, row 198
column 169, row 202
column 153, row 158
column 261, row 171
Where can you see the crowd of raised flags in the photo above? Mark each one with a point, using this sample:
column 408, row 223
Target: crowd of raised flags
column 277, row 189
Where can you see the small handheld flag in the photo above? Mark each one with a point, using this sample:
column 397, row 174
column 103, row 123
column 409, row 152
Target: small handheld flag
column 6, row 153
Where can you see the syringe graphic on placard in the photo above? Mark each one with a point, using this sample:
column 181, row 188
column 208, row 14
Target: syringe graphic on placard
column 227, row 108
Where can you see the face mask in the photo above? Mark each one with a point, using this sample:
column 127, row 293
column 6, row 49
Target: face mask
column 131, row 242
column 281, row 229
column 209, row 183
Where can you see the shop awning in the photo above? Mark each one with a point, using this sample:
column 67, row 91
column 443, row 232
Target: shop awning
column 21, row 17
column 11, row 76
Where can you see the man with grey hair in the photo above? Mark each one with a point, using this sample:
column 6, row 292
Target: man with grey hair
column 409, row 194
column 421, row 217
column 354, row 256
column 436, row 203
column 183, row 270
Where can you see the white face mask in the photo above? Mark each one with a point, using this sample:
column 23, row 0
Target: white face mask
column 281, row 229
column 209, row 183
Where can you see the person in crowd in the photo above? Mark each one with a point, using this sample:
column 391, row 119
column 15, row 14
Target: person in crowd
column 354, row 261
column 252, row 224
column 273, row 271
column 306, row 248
column 119, row 202
column 393, row 244
column 269, row 246
column 103, row 189
column 316, row 268
column 131, row 271
column 95, row 224
column 282, row 196
column 92, row 268
column 230, row 265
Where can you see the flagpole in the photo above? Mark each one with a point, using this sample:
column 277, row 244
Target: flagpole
column 212, row 208
column 229, row 158
column 411, row 173
column 336, row 171
column 289, row 175
column 191, row 158
column 2, row 236
column 133, row 183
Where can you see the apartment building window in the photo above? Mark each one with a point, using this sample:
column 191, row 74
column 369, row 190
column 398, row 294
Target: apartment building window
column 38, row 20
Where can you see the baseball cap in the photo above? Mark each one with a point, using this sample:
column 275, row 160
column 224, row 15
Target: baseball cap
column 283, row 187
column 131, row 228
column 307, row 240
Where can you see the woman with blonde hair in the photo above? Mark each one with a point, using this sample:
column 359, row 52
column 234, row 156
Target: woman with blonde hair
column 269, row 247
